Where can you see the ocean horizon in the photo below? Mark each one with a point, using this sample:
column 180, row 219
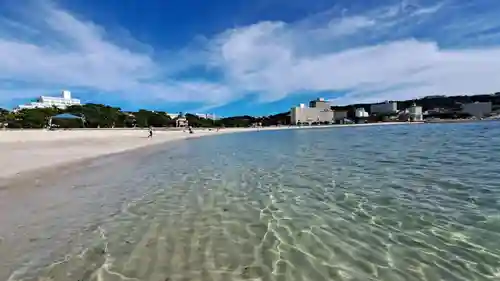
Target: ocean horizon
column 406, row 202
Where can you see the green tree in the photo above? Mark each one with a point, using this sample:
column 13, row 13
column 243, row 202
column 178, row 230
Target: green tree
column 159, row 119
column 197, row 121
column 142, row 118
column 98, row 115
column 238, row 121
column 3, row 114
column 34, row 118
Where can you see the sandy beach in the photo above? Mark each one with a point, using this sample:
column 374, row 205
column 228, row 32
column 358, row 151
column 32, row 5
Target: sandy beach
column 28, row 150
column 35, row 149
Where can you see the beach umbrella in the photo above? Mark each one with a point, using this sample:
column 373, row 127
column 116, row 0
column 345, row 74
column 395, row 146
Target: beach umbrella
column 66, row 116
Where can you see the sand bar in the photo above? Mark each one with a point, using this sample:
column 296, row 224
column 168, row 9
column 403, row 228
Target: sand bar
column 26, row 150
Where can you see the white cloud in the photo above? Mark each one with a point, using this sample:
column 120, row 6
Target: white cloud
column 378, row 60
column 75, row 54
column 388, row 52
column 429, row 10
column 349, row 25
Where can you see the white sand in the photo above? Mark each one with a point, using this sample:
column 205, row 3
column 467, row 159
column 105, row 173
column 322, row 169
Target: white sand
column 26, row 150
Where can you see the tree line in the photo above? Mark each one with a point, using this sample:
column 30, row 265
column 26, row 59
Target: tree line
column 104, row 116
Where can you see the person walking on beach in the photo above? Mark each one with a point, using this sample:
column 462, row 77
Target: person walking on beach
column 150, row 136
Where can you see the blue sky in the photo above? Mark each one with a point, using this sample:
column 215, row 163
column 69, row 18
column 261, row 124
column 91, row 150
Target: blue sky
column 246, row 57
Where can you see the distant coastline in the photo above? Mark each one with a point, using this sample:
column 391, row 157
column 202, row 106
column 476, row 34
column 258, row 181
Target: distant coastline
column 460, row 120
column 105, row 116
column 60, row 147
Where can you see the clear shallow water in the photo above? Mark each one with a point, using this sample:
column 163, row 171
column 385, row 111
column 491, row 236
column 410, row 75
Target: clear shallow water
column 417, row 202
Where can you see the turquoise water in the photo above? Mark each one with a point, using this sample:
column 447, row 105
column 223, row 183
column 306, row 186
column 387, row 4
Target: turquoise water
column 407, row 202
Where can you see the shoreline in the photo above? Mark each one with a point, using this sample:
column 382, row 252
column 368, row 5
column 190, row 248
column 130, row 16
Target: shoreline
column 444, row 121
column 28, row 152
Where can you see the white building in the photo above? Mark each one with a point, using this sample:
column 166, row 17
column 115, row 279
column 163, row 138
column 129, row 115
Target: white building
column 206, row 116
column 415, row 113
column 319, row 111
column 361, row 113
column 62, row 102
column 173, row 115
column 477, row 109
column 384, row 108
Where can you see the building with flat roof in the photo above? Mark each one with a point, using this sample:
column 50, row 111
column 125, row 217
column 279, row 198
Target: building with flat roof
column 384, row 108
column 477, row 109
column 62, row 102
column 361, row 113
column 415, row 113
column 319, row 103
column 207, row 116
column 319, row 111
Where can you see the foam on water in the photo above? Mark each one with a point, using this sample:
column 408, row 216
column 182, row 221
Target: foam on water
column 405, row 203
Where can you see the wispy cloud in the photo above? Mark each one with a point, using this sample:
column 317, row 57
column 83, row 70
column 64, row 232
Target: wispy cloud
column 396, row 51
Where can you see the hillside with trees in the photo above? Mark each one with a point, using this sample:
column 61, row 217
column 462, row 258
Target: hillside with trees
column 451, row 104
column 104, row 116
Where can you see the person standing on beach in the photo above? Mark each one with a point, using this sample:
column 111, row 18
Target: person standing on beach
column 150, row 136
